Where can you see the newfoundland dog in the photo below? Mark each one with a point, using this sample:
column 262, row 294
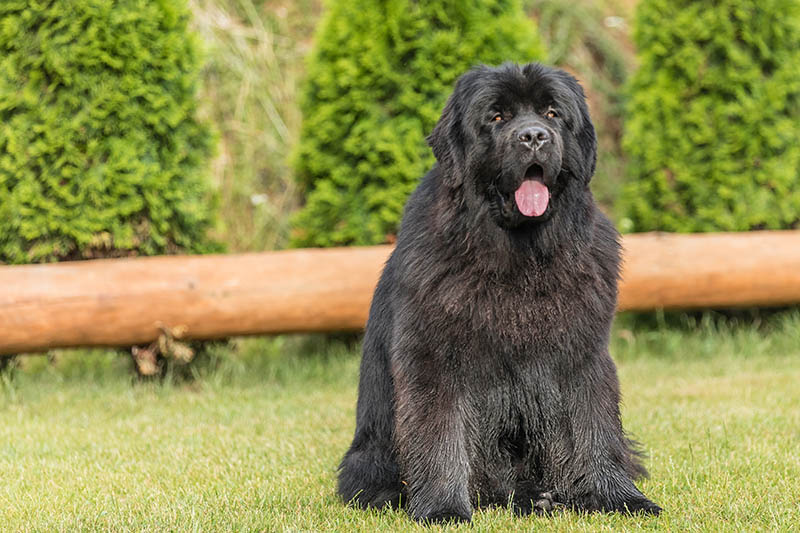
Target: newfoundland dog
column 486, row 378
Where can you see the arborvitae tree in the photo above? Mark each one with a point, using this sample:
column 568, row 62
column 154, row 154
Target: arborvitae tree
column 713, row 129
column 101, row 151
column 377, row 80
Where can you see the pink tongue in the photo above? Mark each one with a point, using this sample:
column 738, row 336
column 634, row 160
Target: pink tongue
column 532, row 198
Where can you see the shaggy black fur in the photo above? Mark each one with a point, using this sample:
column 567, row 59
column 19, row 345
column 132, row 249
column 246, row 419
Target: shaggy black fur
column 486, row 377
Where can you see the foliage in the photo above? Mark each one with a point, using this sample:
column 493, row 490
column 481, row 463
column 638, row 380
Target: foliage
column 714, row 117
column 101, row 151
column 376, row 82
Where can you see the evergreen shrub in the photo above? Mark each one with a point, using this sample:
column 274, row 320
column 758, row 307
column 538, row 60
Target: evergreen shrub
column 377, row 80
column 713, row 118
column 101, row 151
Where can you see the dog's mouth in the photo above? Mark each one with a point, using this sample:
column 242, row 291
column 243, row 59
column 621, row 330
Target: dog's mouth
column 529, row 202
column 532, row 196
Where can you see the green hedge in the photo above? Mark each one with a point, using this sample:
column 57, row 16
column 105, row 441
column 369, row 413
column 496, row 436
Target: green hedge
column 713, row 121
column 376, row 82
column 101, row 151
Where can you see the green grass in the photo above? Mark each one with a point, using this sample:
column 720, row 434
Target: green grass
column 253, row 444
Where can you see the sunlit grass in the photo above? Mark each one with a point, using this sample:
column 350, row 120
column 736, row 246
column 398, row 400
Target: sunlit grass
column 252, row 444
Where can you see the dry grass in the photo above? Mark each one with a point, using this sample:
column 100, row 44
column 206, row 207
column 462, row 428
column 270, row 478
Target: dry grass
column 592, row 40
column 255, row 52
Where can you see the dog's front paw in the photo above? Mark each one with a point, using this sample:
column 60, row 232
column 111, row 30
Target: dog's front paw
column 641, row 505
column 443, row 516
column 630, row 503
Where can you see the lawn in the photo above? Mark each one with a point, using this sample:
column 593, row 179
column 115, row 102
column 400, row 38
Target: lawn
column 253, row 444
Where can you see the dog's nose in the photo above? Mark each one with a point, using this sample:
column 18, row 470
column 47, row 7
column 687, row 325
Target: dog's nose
column 533, row 136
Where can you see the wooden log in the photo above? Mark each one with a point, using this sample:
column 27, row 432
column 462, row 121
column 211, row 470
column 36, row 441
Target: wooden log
column 120, row 302
column 707, row 270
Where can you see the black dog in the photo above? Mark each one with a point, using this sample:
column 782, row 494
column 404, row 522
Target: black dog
column 486, row 377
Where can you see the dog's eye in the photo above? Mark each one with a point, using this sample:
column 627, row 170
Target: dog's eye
column 551, row 113
column 498, row 117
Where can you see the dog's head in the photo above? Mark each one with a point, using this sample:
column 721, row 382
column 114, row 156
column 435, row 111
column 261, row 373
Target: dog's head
column 516, row 137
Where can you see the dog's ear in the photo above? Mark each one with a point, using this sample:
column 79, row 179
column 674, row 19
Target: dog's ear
column 587, row 141
column 583, row 165
column 584, row 133
column 448, row 138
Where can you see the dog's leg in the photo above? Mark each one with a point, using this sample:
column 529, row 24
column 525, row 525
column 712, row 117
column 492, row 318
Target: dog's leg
column 600, row 471
column 369, row 475
column 432, row 443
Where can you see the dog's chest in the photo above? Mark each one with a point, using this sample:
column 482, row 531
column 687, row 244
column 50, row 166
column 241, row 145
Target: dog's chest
column 537, row 310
